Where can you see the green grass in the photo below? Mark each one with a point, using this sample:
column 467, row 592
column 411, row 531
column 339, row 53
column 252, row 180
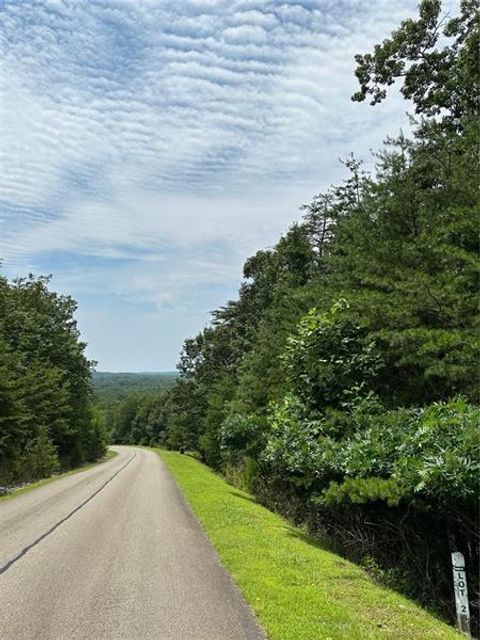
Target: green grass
column 41, row 483
column 297, row 590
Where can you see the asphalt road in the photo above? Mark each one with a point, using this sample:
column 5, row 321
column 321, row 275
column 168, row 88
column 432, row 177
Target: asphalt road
column 113, row 553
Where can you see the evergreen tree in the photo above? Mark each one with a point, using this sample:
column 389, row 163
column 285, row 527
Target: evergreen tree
column 45, row 384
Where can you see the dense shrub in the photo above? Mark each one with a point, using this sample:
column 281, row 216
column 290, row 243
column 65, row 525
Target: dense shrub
column 329, row 361
column 39, row 458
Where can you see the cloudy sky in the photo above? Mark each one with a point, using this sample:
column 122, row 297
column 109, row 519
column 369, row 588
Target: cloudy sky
column 149, row 147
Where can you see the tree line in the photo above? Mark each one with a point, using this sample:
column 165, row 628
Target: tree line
column 47, row 418
column 109, row 387
column 341, row 386
column 132, row 404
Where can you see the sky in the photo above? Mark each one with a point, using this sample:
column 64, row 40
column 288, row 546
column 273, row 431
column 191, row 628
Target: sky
column 149, row 147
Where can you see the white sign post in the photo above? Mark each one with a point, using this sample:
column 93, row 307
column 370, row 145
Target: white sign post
column 461, row 593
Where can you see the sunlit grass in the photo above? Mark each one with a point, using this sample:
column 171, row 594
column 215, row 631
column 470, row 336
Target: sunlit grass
column 298, row 590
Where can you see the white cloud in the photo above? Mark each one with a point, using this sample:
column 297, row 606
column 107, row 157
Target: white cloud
column 151, row 129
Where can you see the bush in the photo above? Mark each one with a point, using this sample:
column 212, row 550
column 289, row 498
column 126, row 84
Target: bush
column 432, row 452
column 39, row 459
column 363, row 490
column 240, row 437
column 329, row 360
column 299, row 450
column 440, row 457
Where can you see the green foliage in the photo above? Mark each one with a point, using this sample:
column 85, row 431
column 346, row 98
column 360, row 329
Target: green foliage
column 45, row 384
column 432, row 453
column 440, row 455
column 170, row 417
column 362, row 491
column 97, row 435
column 241, row 438
column 123, row 421
column 408, row 264
column 260, row 378
column 437, row 80
column 299, row 448
column 185, row 408
column 110, row 388
column 39, row 458
column 377, row 441
column 417, row 454
column 328, row 361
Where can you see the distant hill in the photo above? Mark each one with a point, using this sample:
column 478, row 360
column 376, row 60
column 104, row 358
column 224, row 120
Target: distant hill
column 109, row 387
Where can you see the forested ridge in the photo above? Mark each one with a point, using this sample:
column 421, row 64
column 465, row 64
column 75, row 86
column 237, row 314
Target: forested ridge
column 47, row 418
column 132, row 404
column 341, row 386
column 109, row 387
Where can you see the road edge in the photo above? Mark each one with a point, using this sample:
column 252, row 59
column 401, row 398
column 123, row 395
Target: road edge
column 44, row 481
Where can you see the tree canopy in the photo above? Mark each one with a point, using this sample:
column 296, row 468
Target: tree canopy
column 47, row 419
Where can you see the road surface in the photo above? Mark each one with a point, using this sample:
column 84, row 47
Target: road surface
column 113, row 553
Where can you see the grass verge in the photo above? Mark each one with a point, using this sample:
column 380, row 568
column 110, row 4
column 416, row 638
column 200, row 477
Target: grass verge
column 41, row 483
column 298, row 590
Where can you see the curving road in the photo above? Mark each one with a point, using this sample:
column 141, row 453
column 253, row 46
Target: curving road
column 113, row 553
